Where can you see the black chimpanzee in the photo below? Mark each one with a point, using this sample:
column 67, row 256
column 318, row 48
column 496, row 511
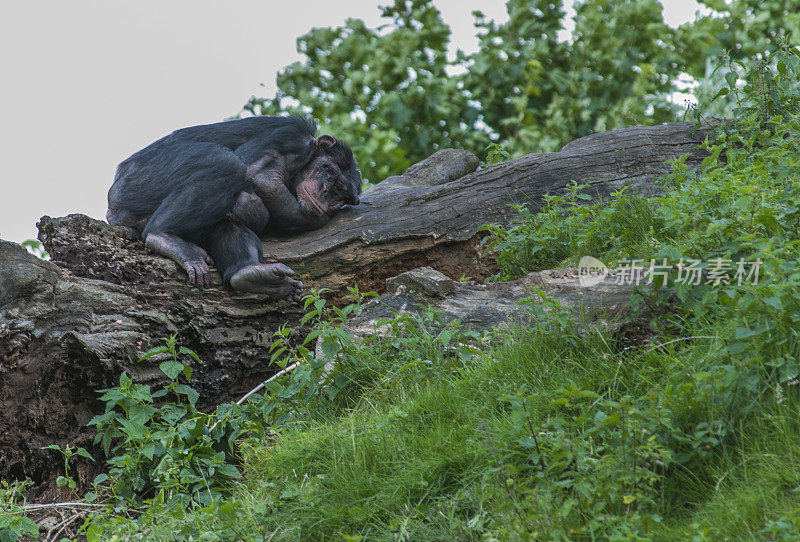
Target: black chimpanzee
column 203, row 195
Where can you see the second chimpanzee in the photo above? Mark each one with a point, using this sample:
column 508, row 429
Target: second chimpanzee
column 202, row 195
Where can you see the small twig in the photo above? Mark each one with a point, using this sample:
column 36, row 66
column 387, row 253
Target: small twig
column 280, row 373
column 44, row 506
column 61, row 526
column 678, row 340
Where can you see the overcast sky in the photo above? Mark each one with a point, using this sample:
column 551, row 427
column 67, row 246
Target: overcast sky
column 87, row 83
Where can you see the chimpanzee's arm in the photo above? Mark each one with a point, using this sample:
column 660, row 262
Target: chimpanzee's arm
column 284, row 208
column 270, row 177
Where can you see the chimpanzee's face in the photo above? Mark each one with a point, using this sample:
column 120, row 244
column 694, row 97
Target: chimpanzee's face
column 329, row 182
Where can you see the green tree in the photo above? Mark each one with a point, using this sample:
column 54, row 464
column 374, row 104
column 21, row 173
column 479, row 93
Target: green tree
column 397, row 97
column 743, row 28
column 387, row 89
column 739, row 30
column 537, row 93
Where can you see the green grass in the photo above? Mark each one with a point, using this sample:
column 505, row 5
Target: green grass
column 432, row 455
column 548, row 434
column 750, row 485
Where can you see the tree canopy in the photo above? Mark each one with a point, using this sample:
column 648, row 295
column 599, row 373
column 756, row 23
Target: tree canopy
column 398, row 94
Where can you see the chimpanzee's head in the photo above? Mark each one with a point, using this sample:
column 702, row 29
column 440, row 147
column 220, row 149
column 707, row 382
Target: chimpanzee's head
column 331, row 179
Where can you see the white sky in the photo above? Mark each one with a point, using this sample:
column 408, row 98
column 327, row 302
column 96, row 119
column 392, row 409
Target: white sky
column 84, row 84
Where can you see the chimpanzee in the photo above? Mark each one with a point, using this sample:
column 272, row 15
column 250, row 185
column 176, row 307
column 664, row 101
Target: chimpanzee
column 204, row 194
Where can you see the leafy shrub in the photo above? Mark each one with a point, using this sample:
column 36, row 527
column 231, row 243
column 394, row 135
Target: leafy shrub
column 168, row 450
column 13, row 523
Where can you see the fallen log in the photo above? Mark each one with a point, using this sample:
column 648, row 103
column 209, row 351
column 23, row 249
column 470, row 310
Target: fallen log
column 432, row 220
column 70, row 326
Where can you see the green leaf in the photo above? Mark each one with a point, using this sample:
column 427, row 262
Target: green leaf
column 136, row 431
column 330, row 347
column 171, row 368
column 83, row 453
column 229, row 470
column 28, row 527
column 102, row 418
column 148, row 450
column 191, row 394
column 744, row 332
column 189, row 352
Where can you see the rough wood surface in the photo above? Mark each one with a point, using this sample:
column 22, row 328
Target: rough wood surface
column 70, row 326
column 401, row 225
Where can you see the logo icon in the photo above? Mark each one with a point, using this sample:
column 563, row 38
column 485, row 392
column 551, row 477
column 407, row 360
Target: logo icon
column 591, row 271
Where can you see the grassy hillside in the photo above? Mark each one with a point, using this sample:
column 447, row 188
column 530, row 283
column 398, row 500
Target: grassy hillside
column 540, row 433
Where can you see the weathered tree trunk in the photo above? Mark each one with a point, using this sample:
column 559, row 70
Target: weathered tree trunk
column 70, row 326
column 433, row 219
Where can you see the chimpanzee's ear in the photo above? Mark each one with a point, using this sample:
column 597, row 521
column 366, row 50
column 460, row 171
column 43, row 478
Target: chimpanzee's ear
column 325, row 142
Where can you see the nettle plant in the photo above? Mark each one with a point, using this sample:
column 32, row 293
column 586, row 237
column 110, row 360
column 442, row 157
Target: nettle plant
column 165, row 450
column 743, row 204
column 569, row 224
column 583, row 465
column 13, row 523
column 426, row 344
column 68, row 452
column 311, row 378
column 161, row 447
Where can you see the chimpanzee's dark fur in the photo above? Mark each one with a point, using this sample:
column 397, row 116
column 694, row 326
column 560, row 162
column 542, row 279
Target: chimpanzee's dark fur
column 204, row 194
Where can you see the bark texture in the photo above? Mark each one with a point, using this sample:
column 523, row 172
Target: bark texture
column 404, row 223
column 70, row 326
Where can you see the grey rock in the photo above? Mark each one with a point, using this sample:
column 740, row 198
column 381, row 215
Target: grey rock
column 482, row 307
column 441, row 167
column 424, row 281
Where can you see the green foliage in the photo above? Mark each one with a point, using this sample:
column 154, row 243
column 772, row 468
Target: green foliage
column 538, row 93
column 68, row 452
column 593, row 469
column 386, row 90
column 743, row 28
column 167, row 450
column 317, row 379
column 765, row 85
column 396, row 96
column 36, row 248
column 496, row 154
column 566, row 225
column 752, row 188
column 13, row 523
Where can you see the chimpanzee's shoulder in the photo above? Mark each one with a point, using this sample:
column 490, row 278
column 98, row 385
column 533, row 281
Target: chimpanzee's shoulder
column 240, row 130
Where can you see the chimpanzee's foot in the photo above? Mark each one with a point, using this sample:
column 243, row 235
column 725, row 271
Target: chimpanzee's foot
column 268, row 278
